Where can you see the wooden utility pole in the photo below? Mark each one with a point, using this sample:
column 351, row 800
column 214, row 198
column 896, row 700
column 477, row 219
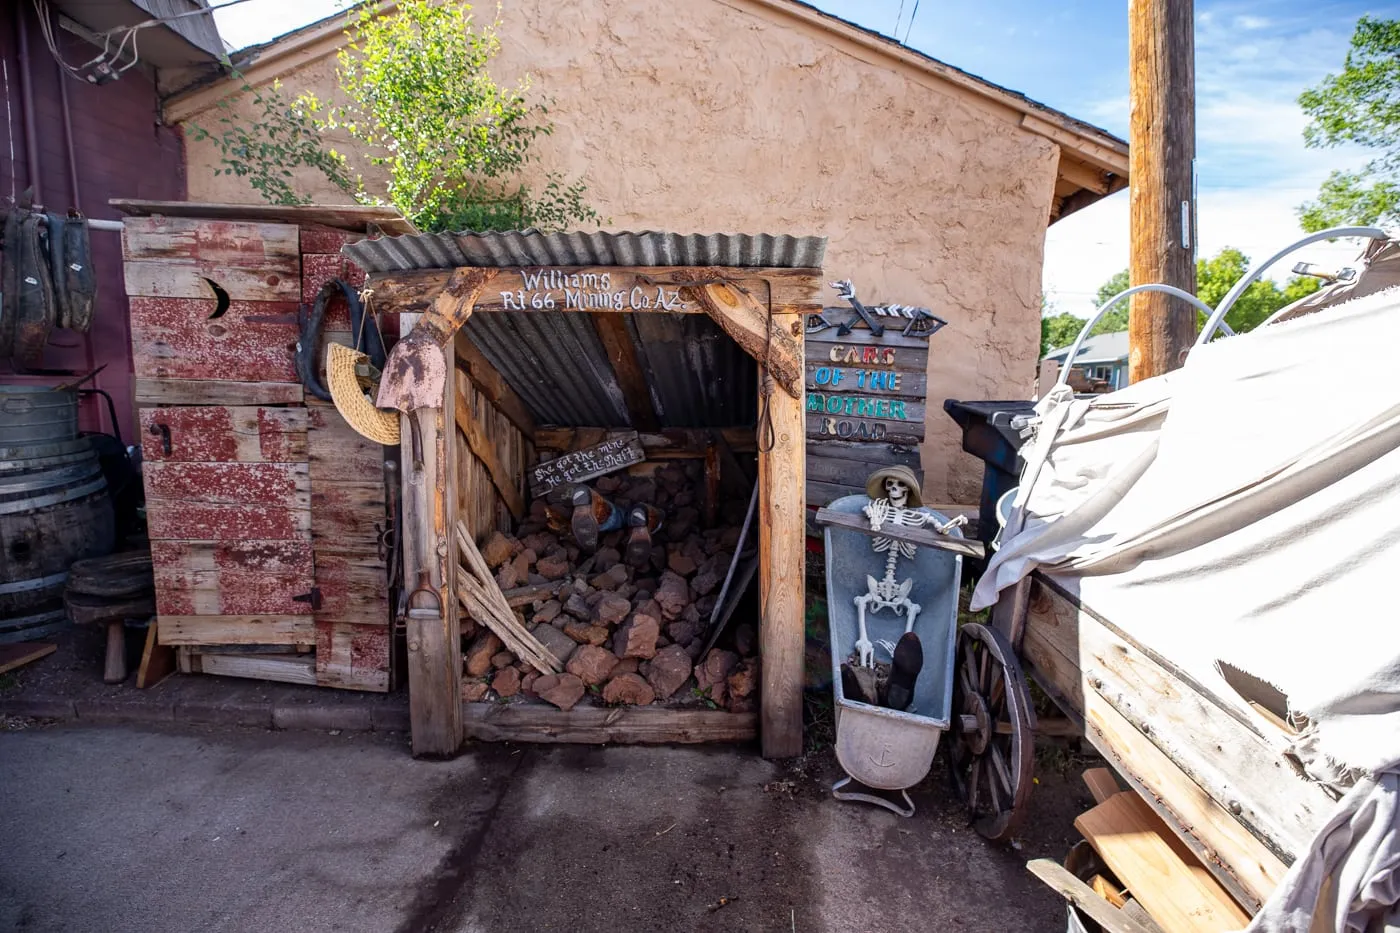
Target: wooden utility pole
column 1161, row 214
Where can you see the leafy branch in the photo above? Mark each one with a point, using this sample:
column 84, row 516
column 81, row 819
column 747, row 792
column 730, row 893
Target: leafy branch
column 283, row 136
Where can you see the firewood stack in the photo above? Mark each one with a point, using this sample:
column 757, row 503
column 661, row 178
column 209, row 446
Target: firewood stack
column 627, row 635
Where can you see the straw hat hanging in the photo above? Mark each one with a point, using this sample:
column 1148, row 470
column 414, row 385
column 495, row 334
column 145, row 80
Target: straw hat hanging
column 348, row 393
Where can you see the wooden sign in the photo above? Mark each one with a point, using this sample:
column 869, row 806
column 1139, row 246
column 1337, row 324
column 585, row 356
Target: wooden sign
column 613, row 454
column 865, row 402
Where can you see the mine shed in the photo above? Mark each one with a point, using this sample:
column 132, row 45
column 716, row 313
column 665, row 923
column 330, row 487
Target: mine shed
column 687, row 347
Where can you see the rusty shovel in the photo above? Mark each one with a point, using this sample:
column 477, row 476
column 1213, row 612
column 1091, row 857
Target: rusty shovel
column 415, row 374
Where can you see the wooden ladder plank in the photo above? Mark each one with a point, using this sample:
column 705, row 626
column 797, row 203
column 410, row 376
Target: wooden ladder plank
column 18, row 655
column 1157, row 868
column 1102, row 783
column 1083, row 897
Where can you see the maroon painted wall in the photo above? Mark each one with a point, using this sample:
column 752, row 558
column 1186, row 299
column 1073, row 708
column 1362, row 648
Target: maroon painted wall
column 121, row 151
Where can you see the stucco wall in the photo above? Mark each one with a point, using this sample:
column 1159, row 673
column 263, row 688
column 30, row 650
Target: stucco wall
column 714, row 116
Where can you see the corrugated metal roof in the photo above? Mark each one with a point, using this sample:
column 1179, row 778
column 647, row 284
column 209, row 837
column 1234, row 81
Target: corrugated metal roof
column 696, row 375
column 576, row 248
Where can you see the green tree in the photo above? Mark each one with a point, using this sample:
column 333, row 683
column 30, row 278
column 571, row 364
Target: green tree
column 283, row 136
column 1214, row 279
column 1059, row 330
column 423, row 106
column 1117, row 317
column 1360, row 106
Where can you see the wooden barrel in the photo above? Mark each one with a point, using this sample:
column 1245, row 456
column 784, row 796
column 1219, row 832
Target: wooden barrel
column 54, row 509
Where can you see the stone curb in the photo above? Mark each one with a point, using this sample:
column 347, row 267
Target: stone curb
column 267, row 715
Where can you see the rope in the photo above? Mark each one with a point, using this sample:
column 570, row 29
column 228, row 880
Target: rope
column 767, row 437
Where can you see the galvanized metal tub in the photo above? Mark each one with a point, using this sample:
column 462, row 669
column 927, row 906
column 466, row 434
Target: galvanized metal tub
column 37, row 415
column 886, row 749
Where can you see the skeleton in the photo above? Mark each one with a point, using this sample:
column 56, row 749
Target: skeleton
column 890, row 593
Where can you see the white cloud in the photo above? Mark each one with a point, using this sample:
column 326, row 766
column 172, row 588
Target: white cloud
column 1086, row 248
column 1252, row 167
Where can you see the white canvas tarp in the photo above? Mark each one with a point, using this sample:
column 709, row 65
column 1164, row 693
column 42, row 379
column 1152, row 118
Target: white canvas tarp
column 1244, row 509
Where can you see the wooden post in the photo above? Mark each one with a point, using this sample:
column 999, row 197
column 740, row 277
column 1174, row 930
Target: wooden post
column 432, row 628
column 1162, row 145
column 782, row 535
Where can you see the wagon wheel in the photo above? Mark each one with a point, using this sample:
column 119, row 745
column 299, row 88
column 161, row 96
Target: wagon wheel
column 992, row 747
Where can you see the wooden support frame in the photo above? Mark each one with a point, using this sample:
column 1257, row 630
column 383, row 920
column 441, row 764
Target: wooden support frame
column 763, row 310
column 1220, row 784
column 433, row 632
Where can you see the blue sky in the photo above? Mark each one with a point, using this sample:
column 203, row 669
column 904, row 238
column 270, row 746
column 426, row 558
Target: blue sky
column 1253, row 57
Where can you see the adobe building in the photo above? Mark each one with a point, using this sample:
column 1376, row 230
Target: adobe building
column 934, row 187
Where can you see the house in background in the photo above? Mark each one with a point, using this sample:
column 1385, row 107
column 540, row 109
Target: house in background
column 1102, row 363
column 934, row 187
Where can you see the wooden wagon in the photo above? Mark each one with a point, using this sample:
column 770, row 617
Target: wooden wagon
column 1217, row 779
column 1209, row 747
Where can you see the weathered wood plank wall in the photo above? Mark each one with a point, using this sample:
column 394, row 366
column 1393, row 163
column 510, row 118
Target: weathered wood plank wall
column 264, row 507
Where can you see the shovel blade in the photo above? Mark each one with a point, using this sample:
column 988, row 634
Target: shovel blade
column 415, row 376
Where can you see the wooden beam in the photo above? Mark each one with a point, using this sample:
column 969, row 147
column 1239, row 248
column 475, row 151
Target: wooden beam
column 753, row 327
column 1101, row 783
column 237, row 630
column 635, row 725
column 1162, row 148
column 616, row 337
column 300, row 670
column 924, row 536
column 453, row 305
column 666, row 444
column 18, row 655
column 490, row 383
column 1163, row 875
column 642, row 289
column 782, row 472
column 507, row 486
column 1083, row 897
column 432, row 625
column 1109, row 159
column 1083, row 176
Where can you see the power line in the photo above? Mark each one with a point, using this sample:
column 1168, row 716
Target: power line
column 897, row 17
column 912, row 16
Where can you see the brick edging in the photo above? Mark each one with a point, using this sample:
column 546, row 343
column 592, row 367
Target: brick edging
column 267, row 715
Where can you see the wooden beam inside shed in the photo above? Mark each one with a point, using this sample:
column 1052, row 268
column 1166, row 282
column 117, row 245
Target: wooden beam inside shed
column 484, row 449
column 616, row 336
column 666, row 444
column 490, row 383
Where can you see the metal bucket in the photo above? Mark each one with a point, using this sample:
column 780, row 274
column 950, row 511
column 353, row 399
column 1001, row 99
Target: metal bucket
column 37, row 415
column 886, row 749
column 54, row 509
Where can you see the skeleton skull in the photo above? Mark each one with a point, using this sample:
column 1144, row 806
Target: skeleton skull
column 897, row 491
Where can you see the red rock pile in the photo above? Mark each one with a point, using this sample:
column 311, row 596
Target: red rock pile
column 629, row 635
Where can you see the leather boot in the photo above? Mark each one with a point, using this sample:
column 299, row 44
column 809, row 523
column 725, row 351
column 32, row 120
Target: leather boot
column 904, row 671
column 592, row 514
column 644, row 520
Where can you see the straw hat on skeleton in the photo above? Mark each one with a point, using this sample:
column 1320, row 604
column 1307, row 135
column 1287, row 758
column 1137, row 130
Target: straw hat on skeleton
column 875, row 484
